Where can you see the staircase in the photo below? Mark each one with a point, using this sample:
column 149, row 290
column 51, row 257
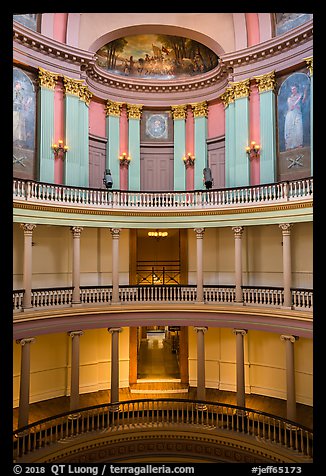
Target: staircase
column 152, row 387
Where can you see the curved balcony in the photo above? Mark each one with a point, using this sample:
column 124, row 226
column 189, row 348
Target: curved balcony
column 260, row 436
column 259, row 204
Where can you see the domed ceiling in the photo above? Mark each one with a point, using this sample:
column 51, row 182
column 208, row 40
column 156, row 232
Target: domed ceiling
column 159, row 57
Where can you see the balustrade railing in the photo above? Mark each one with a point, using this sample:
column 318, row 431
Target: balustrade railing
column 252, row 295
column 80, row 196
column 157, row 414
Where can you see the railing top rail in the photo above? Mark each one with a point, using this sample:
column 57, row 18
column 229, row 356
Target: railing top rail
column 163, row 192
column 157, row 400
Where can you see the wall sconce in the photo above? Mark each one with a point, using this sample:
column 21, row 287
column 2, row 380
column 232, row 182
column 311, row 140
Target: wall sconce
column 253, row 151
column 60, row 150
column 124, row 159
column 189, row 159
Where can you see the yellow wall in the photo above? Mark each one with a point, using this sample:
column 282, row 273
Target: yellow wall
column 264, row 357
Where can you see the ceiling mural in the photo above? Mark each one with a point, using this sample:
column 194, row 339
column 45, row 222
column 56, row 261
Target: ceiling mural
column 163, row 57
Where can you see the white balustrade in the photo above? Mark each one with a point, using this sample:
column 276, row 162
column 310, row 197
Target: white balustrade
column 36, row 191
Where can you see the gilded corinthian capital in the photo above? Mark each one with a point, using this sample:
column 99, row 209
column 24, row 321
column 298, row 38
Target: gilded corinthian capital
column 200, row 109
column 134, row 111
column 228, row 97
column 113, row 108
column 241, row 89
column 266, row 82
column 309, row 62
column 72, row 86
column 179, row 112
column 47, row 79
column 84, row 94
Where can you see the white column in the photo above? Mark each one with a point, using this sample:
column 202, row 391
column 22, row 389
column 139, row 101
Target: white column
column 290, row 376
column 287, row 272
column 199, row 246
column 27, row 269
column 24, row 380
column 74, row 385
column 240, row 333
column 238, row 230
column 114, row 331
column 201, row 384
column 115, row 232
column 76, row 231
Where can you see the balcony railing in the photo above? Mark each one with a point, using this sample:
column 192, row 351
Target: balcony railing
column 255, row 296
column 164, row 414
column 89, row 198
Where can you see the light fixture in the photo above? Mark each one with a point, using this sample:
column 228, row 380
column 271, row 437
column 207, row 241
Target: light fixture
column 60, row 150
column 253, row 150
column 124, row 158
column 158, row 234
column 188, row 159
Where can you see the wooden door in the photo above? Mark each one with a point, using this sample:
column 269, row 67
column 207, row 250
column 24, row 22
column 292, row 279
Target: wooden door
column 156, row 168
column 216, row 161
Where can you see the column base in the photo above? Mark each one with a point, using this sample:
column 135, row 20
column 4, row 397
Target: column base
column 76, row 304
column 201, row 406
column 114, row 408
column 287, row 307
column 74, row 416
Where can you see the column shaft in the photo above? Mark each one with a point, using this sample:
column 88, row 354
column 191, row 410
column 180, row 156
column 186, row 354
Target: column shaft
column 27, row 267
column 115, row 232
column 290, row 377
column 74, row 386
column 24, row 390
column 240, row 333
column 199, row 246
column 238, row 230
column 76, row 231
column 201, row 386
column 287, row 272
column 114, row 397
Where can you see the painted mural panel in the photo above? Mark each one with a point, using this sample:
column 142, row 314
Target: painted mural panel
column 27, row 19
column 156, row 126
column 163, row 57
column 287, row 21
column 24, row 119
column 293, row 109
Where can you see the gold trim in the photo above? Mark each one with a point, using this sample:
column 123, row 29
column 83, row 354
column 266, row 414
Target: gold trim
column 309, row 62
column 134, row 111
column 274, row 208
column 266, row 82
column 47, row 79
column 179, row 112
column 113, row 108
column 228, row 96
column 241, row 89
column 72, row 86
column 200, row 109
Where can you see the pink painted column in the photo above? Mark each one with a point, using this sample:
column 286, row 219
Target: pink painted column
column 58, row 130
column 190, row 129
column 254, row 134
column 252, row 28
column 124, row 146
column 60, row 26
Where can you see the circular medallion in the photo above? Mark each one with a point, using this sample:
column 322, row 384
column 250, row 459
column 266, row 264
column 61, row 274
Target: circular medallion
column 156, row 126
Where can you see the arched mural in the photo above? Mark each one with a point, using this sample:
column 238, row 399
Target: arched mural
column 293, row 111
column 24, row 119
column 286, row 21
column 151, row 56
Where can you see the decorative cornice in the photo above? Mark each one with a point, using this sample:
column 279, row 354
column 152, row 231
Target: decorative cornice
column 47, row 79
column 113, row 108
column 179, row 112
column 134, row 111
column 241, row 89
column 266, row 82
column 200, row 109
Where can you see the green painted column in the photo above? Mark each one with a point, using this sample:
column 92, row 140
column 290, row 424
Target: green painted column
column 179, row 125
column 113, row 111
column 267, row 100
column 228, row 101
column 200, row 145
column 134, row 115
column 76, row 165
column 45, row 123
column 240, row 172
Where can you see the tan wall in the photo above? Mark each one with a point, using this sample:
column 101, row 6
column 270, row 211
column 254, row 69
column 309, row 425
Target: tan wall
column 51, row 364
column 264, row 357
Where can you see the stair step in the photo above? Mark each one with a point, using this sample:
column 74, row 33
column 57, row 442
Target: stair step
column 152, row 387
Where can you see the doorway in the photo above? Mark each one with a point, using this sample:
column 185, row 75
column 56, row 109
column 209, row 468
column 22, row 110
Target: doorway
column 158, row 353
